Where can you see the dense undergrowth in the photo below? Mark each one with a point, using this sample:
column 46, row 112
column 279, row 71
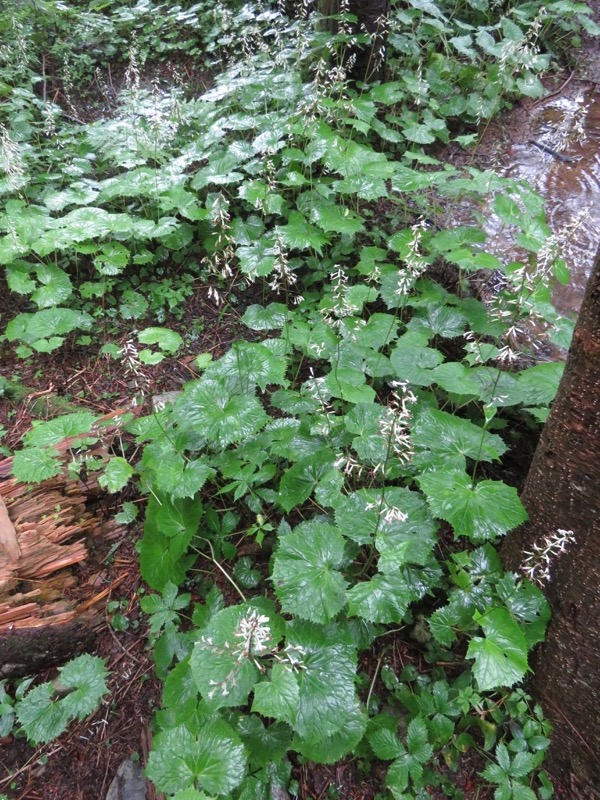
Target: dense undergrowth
column 352, row 448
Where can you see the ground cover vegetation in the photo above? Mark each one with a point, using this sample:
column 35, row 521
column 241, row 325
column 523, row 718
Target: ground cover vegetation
column 334, row 481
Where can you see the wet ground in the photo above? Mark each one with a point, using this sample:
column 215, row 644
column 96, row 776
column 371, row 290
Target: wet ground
column 560, row 159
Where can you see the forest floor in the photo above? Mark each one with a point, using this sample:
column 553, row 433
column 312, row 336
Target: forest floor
column 81, row 764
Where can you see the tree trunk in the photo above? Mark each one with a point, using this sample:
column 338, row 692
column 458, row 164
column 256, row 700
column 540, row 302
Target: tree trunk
column 562, row 491
column 367, row 62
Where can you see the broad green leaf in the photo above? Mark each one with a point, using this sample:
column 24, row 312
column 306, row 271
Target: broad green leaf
column 422, row 134
column 55, row 286
column 30, row 328
column 257, row 259
column 264, row 743
column 326, row 680
column 166, row 339
column 413, row 361
column 177, row 476
column 208, row 406
column 336, row 218
column 271, row 317
column 305, row 572
column 500, row 657
column 349, row 384
column 456, row 378
column 247, row 365
column 383, row 598
column 36, row 464
column 438, row 321
column 339, row 744
column 224, row 660
column 18, row 277
column 278, row 697
column 112, row 259
column 151, row 357
column 116, row 474
column 539, row 384
column 43, row 718
column 169, row 528
column 299, row 234
column 369, row 512
column 299, row 481
column 213, row 757
column 442, row 432
column 479, row 511
column 55, row 430
column 220, row 171
column 85, row 679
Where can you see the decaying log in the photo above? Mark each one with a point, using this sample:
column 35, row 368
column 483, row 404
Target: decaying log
column 47, row 614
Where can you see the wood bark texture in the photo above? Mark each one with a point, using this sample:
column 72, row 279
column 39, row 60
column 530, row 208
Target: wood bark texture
column 367, row 62
column 49, row 612
column 563, row 491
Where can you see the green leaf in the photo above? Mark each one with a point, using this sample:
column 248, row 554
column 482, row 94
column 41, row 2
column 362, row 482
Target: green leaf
column 369, row 512
column 479, row 511
column 299, row 482
column 163, row 609
column 456, row 378
column 43, row 718
column 56, row 286
column 55, row 430
column 299, row 234
column 166, row 339
column 418, row 133
column 271, row 317
column 223, row 417
column 85, row 677
column 417, row 740
column 224, row 660
column 336, row 218
column 213, row 756
column 332, row 748
column 413, row 361
column 384, row 598
column 279, row 696
column 30, row 328
column 169, row 528
column 257, row 259
column 437, row 320
column 265, row 744
column 326, row 680
column 116, row 474
column 179, row 477
column 385, row 744
column 36, row 464
column 18, row 277
column 307, row 582
column 539, row 384
column 445, row 433
column 247, row 365
column 500, row 658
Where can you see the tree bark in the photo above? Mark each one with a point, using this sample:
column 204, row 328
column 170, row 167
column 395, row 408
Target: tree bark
column 562, row 491
column 48, row 612
column 367, row 62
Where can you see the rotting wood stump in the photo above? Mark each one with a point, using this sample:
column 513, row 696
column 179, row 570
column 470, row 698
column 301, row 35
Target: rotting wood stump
column 46, row 531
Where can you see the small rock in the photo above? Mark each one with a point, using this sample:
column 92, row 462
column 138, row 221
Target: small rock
column 128, row 784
